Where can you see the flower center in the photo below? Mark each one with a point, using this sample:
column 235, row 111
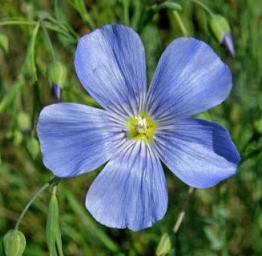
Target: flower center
column 141, row 126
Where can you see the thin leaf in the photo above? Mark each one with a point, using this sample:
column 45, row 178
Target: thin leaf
column 52, row 225
column 87, row 222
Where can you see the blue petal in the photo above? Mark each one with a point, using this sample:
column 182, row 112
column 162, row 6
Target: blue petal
column 130, row 191
column 74, row 138
column 198, row 152
column 189, row 78
column 110, row 63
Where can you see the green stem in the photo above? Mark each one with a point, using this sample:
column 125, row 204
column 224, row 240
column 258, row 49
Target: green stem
column 180, row 23
column 126, row 11
column 54, row 190
column 136, row 17
column 17, row 22
column 50, row 46
column 52, row 181
column 58, row 237
column 85, row 15
column 30, row 23
column 183, row 212
column 203, row 6
column 80, row 7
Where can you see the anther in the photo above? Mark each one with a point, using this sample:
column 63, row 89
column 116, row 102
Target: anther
column 141, row 125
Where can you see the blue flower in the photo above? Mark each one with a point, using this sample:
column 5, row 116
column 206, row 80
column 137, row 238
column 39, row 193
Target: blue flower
column 139, row 128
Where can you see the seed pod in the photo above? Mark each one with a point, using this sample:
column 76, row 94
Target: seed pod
column 56, row 74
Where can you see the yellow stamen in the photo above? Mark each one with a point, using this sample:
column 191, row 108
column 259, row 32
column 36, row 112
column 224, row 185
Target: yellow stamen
column 141, row 126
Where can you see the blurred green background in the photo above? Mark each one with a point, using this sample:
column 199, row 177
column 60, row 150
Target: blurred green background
column 224, row 220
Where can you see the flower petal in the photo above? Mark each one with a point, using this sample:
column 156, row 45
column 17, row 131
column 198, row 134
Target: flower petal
column 110, row 63
column 130, row 191
column 198, row 152
column 189, row 78
column 74, row 138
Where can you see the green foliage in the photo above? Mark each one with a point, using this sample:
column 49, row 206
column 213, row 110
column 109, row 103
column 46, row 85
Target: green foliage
column 53, row 233
column 225, row 220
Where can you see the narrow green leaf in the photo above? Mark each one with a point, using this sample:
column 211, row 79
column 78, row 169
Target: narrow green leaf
column 166, row 5
column 52, row 225
column 53, row 233
column 91, row 226
column 2, row 252
column 29, row 61
column 59, row 241
column 60, row 11
column 12, row 94
column 80, row 7
column 170, row 6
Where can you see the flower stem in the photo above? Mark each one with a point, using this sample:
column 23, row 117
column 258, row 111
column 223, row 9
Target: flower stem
column 50, row 46
column 52, row 181
column 126, row 11
column 16, row 22
column 183, row 212
column 203, row 6
column 180, row 23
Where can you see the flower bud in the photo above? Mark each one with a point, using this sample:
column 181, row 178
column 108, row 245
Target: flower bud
column 32, row 146
column 23, row 121
column 221, row 30
column 4, row 42
column 56, row 91
column 229, row 44
column 164, row 245
column 14, row 243
column 56, row 74
column 258, row 126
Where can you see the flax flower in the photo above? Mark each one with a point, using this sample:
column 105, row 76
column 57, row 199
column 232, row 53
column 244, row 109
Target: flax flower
column 139, row 130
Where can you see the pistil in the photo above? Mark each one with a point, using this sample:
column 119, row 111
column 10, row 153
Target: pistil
column 141, row 126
